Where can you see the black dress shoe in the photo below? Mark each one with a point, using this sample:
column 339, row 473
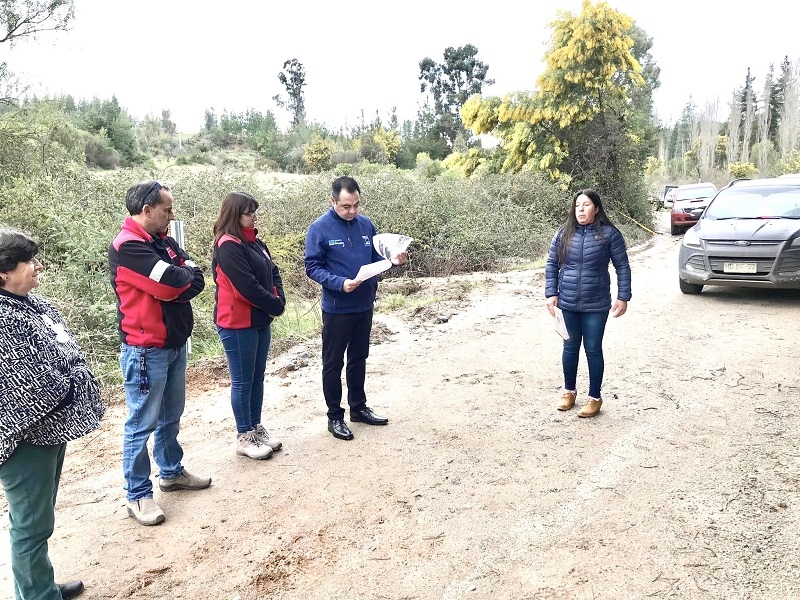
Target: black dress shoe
column 339, row 429
column 365, row 415
column 72, row 589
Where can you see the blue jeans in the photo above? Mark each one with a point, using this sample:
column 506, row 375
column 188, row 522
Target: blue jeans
column 246, row 351
column 590, row 327
column 155, row 392
column 30, row 479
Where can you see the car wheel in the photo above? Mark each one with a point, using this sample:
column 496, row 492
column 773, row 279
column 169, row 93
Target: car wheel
column 674, row 230
column 689, row 288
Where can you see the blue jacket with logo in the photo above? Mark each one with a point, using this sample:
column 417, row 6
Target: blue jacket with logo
column 335, row 250
column 583, row 283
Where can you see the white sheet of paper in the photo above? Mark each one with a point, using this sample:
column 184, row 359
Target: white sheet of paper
column 561, row 327
column 372, row 269
column 389, row 245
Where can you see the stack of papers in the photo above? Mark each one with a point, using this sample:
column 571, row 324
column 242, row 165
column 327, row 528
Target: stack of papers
column 388, row 245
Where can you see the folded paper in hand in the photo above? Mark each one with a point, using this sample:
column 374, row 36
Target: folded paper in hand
column 372, row 269
column 390, row 245
column 561, row 327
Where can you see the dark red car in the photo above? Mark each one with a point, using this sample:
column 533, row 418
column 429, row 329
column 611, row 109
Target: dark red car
column 689, row 203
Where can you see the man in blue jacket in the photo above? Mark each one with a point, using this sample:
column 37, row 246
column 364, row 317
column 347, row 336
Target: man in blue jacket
column 338, row 244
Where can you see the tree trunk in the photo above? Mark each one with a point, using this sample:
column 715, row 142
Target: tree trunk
column 734, row 129
column 749, row 122
column 789, row 129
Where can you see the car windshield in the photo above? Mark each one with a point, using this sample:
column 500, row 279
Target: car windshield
column 771, row 202
column 694, row 193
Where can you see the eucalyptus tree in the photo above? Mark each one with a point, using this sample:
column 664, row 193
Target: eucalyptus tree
column 451, row 83
column 26, row 18
column 293, row 78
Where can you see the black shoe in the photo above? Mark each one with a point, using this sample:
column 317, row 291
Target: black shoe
column 72, row 589
column 339, row 429
column 365, row 415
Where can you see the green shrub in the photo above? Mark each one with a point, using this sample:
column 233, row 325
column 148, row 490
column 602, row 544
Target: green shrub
column 791, row 163
column 99, row 152
column 343, row 169
column 458, row 225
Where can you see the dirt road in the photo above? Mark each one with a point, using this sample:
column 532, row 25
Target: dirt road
column 685, row 486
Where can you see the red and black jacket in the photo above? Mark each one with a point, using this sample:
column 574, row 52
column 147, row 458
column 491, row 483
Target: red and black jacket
column 154, row 279
column 249, row 287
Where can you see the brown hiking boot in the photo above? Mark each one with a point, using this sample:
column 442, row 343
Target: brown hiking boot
column 567, row 400
column 591, row 408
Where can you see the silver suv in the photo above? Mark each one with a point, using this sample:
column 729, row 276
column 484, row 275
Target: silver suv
column 749, row 236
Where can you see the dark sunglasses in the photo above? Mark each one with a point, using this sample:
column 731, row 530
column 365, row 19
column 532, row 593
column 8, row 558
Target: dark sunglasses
column 156, row 184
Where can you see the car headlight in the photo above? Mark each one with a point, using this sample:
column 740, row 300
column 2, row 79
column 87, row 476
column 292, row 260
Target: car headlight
column 796, row 243
column 690, row 238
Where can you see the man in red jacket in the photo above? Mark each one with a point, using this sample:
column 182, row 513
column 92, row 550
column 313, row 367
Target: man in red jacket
column 154, row 280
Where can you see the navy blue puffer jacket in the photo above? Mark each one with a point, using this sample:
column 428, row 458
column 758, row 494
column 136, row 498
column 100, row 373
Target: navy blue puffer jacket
column 583, row 283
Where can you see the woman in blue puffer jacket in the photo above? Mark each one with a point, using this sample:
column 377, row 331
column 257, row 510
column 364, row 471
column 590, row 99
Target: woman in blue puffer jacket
column 579, row 283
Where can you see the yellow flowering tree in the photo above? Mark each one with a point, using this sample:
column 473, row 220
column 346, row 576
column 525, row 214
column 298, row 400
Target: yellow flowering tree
column 318, row 153
column 580, row 122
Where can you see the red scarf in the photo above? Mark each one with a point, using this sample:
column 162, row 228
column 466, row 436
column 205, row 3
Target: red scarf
column 249, row 233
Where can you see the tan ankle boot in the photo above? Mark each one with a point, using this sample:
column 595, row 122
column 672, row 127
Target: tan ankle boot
column 567, row 400
column 591, row 408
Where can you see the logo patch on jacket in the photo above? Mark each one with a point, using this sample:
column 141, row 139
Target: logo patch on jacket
column 366, row 240
column 171, row 252
column 335, row 242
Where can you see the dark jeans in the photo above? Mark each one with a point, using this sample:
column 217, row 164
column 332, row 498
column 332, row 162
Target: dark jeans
column 339, row 333
column 246, row 351
column 30, row 478
column 589, row 327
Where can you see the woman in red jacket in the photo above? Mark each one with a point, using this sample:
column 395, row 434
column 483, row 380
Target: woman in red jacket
column 249, row 294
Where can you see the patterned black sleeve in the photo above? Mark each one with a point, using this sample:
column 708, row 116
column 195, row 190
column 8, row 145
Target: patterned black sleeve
column 34, row 376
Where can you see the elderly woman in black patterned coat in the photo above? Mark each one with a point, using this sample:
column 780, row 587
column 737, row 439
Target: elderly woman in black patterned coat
column 48, row 397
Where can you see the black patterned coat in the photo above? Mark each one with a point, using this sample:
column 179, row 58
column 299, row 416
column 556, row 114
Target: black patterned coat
column 47, row 393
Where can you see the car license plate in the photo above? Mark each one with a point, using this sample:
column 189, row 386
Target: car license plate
column 740, row 267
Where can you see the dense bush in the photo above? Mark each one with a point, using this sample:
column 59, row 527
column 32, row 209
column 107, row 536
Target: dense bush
column 458, row 225
column 76, row 214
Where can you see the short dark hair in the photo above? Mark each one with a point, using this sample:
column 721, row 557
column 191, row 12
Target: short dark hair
column 348, row 184
column 143, row 194
column 234, row 205
column 15, row 247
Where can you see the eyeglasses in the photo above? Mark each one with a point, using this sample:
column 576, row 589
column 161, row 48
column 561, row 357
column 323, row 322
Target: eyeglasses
column 156, row 184
column 252, row 215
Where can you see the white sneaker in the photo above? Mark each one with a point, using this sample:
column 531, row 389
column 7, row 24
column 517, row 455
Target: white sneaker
column 247, row 444
column 146, row 511
column 263, row 436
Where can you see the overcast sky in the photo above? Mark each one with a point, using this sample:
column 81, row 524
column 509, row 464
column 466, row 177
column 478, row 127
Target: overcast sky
column 189, row 55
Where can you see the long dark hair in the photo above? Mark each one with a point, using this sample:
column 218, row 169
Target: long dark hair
column 234, row 205
column 571, row 224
